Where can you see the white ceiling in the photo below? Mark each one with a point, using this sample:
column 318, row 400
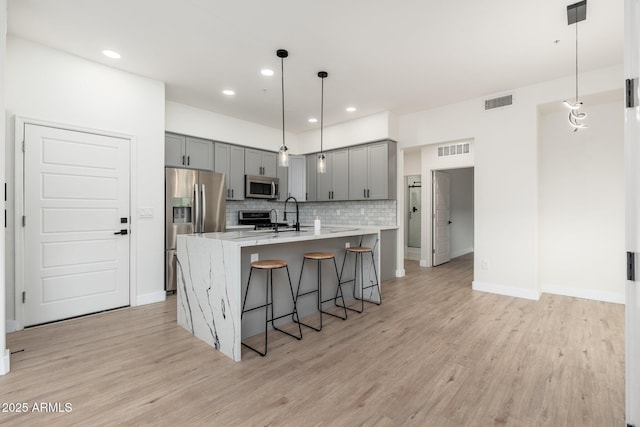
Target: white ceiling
column 381, row 55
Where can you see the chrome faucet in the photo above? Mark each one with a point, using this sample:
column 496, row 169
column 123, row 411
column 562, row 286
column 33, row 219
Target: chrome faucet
column 297, row 224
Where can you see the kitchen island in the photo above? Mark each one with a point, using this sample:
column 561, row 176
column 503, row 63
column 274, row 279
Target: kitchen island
column 213, row 268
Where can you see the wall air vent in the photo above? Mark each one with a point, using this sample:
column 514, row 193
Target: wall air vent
column 502, row 101
column 454, row 149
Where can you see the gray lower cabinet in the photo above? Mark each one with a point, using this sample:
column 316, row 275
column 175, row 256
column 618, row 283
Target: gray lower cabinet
column 229, row 159
column 332, row 185
column 372, row 171
column 188, row 152
column 260, row 163
column 311, row 193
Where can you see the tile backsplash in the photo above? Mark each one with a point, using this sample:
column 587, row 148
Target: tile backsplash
column 365, row 212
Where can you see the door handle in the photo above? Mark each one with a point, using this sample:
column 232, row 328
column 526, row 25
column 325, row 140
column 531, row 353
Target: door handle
column 204, row 209
column 414, row 209
column 123, row 232
column 368, row 193
column 188, row 160
column 232, row 192
column 183, row 159
column 449, row 222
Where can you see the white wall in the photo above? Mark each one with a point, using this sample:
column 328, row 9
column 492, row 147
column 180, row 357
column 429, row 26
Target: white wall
column 412, row 162
column 581, row 204
column 187, row 120
column 365, row 129
column 506, row 174
column 461, row 188
column 47, row 84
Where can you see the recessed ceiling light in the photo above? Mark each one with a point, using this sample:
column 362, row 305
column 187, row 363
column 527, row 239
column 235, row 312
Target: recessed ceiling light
column 111, row 54
column 228, row 92
column 266, row 72
column 351, row 109
column 313, row 120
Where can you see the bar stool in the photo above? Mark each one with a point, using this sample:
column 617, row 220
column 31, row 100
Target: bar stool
column 320, row 256
column 269, row 266
column 358, row 251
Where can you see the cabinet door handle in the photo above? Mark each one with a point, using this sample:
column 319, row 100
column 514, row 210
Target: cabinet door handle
column 368, row 195
column 188, row 160
column 183, row 156
column 232, row 192
column 364, row 193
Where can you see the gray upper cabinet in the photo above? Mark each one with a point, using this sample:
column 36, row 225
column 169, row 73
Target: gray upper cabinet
column 297, row 177
column 261, row 163
column 188, row 152
column 174, row 146
column 282, row 174
column 372, row 171
column 311, row 194
column 332, row 185
column 229, row 159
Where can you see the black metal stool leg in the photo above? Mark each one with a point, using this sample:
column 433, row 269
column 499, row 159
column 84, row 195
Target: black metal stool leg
column 298, row 295
column 341, row 282
column 339, row 289
column 376, row 285
column 273, row 318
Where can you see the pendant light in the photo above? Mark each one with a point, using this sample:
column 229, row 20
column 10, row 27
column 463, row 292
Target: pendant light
column 575, row 13
column 283, row 153
column 322, row 161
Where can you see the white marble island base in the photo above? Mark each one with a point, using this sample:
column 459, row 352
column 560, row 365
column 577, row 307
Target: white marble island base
column 213, row 270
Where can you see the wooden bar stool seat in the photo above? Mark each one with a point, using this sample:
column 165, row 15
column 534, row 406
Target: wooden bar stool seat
column 358, row 251
column 269, row 265
column 320, row 256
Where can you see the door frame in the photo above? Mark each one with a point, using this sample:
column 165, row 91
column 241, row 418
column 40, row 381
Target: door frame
column 20, row 123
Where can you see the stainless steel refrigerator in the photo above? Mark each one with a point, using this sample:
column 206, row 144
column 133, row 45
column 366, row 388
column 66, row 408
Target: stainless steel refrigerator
column 194, row 203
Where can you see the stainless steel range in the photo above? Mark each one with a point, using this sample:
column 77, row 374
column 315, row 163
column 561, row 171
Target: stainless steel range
column 261, row 220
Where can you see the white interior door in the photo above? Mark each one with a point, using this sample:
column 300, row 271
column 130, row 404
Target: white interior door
column 76, row 197
column 441, row 218
column 632, row 173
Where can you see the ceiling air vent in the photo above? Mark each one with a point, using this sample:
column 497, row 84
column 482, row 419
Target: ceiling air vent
column 502, row 101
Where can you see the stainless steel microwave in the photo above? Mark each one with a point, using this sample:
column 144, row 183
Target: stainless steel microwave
column 260, row 187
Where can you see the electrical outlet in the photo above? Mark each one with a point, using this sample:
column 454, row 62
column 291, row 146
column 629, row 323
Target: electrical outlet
column 254, row 257
column 485, row 264
column 347, row 245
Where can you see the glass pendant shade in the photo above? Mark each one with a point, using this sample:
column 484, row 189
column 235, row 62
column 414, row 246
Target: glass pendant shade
column 283, row 156
column 322, row 163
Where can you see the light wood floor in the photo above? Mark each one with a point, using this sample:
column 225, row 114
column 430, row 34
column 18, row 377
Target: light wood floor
column 435, row 353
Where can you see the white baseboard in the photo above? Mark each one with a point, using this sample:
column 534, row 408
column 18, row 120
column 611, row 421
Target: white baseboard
column 400, row 272
column 584, row 293
column 11, row 325
column 412, row 253
column 151, row 298
column 5, row 365
column 531, row 294
column 461, row 252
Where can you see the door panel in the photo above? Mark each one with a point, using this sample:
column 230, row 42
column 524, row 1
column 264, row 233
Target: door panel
column 442, row 214
column 76, row 190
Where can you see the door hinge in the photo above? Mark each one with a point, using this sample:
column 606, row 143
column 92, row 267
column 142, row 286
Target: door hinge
column 24, row 297
column 24, row 221
column 631, row 266
column 631, row 92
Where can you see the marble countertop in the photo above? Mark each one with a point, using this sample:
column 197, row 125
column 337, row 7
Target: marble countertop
column 245, row 237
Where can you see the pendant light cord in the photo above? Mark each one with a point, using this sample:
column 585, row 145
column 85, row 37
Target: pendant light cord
column 321, row 113
column 282, row 76
column 576, row 60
